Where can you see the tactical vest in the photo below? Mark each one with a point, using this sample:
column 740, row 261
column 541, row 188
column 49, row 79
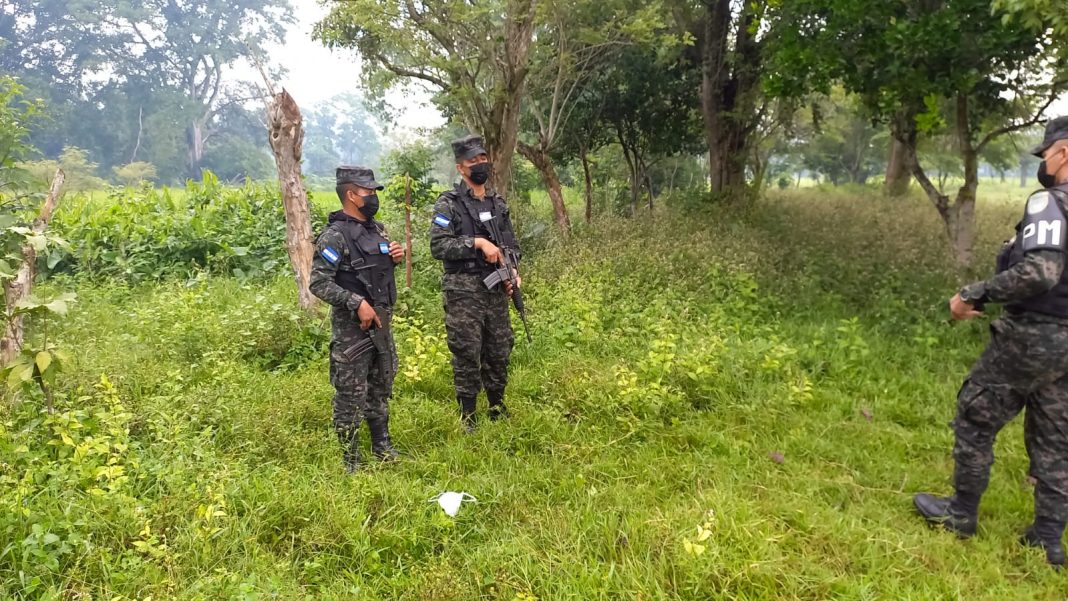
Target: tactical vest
column 467, row 211
column 369, row 271
column 1053, row 302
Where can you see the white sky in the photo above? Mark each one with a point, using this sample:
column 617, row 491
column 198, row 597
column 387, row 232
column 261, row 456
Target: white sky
column 317, row 74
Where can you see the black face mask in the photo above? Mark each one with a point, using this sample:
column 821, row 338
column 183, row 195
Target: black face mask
column 480, row 173
column 1045, row 179
column 370, row 206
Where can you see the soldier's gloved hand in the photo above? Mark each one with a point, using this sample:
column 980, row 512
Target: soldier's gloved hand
column 367, row 316
column 396, row 251
column 489, row 250
column 960, row 310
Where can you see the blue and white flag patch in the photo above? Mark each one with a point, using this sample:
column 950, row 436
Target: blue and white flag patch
column 330, row 255
column 441, row 220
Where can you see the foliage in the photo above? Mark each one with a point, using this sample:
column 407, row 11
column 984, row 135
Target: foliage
column 671, row 433
column 159, row 75
column 152, row 234
column 79, row 169
column 135, row 174
column 16, row 115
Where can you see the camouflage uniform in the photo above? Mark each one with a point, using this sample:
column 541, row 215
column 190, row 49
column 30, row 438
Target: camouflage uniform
column 1024, row 367
column 350, row 266
column 477, row 323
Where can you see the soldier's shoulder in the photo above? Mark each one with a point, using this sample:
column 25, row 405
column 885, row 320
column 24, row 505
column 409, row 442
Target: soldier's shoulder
column 445, row 201
column 330, row 234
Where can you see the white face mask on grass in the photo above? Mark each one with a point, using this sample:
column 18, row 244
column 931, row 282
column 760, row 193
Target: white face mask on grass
column 450, row 501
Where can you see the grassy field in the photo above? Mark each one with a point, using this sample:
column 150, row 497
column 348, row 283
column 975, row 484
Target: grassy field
column 731, row 403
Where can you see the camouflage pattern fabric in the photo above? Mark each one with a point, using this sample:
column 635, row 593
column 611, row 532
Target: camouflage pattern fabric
column 477, row 323
column 361, row 390
column 479, row 332
column 1025, row 367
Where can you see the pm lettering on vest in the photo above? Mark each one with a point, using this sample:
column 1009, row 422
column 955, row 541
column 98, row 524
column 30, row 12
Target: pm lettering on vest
column 1043, row 226
column 1048, row 233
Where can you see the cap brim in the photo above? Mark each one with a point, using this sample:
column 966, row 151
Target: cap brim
column 1041, row 148
column 470, row 154
column 370, row 184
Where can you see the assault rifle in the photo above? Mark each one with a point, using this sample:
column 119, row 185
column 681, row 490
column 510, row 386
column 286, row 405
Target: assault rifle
column 506, row 272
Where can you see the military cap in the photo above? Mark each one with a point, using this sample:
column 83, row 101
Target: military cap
column 468, row 147
column 361, row 176
column 1056, row 130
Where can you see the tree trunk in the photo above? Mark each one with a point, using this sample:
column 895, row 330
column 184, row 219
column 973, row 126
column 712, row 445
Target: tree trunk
column 195, row 138
column 957, row 218
column 898, row 175
column 20, row 287
column 543, row 163
column 589, row 184
column 1023, row 173
column 285, row 131
column 728, row 88
column 633, row 168
column 503, row 127
column 648, row 183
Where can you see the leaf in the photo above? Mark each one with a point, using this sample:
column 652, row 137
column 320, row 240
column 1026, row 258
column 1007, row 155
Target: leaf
column 50, row 538
column 20, row 372
column 44, row 359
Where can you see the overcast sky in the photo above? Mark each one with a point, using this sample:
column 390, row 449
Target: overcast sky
column 316, row 74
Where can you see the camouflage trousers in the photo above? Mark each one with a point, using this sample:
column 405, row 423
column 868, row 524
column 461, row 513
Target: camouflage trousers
column 361, row 389
column 1024, row 368
column 479, row 333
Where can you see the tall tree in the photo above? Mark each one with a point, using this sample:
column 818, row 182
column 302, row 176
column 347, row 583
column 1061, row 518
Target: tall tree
column 473, row 56
column 730, row 39
column 575, row 41
column 188, row 46
column 926, row 67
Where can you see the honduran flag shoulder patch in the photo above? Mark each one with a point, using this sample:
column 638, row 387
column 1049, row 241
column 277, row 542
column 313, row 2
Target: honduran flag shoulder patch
column 441, row 220
column 331, row 255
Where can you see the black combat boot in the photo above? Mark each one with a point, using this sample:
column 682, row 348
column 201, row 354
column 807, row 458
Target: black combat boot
column 350, row 447
column 467, row 413
column 1046, row 534
column 958, row 514
column 381, row 445
column 497, row 410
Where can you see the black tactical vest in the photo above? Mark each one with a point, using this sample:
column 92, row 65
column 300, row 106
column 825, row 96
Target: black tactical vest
column 467, row 211
column 368, row 271
column 1054, row 302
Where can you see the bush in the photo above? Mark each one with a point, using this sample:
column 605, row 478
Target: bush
column 145, row 234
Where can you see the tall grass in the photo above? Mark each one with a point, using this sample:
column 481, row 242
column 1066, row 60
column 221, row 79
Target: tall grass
column 736, row 403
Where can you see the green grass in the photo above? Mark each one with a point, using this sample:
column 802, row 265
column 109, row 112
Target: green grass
column 673, row 357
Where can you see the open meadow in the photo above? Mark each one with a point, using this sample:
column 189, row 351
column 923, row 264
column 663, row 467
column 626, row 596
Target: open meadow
column 728, row 403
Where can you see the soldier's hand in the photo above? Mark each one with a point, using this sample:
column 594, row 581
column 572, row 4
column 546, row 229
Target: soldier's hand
column 489, row 250
column 962, row 311
column 367, row 316
column 396, row 251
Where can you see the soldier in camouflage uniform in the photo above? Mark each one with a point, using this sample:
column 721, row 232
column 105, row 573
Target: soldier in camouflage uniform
column 352, row 271
column 477, row 323
column 1025, row 366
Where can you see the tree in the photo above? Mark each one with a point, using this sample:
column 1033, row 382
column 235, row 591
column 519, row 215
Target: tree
column 841, row 143
column 648, row 107
column 474, row 56
column 573, row 42
column 926, row 67
column 730, row 39
column 135, row 174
